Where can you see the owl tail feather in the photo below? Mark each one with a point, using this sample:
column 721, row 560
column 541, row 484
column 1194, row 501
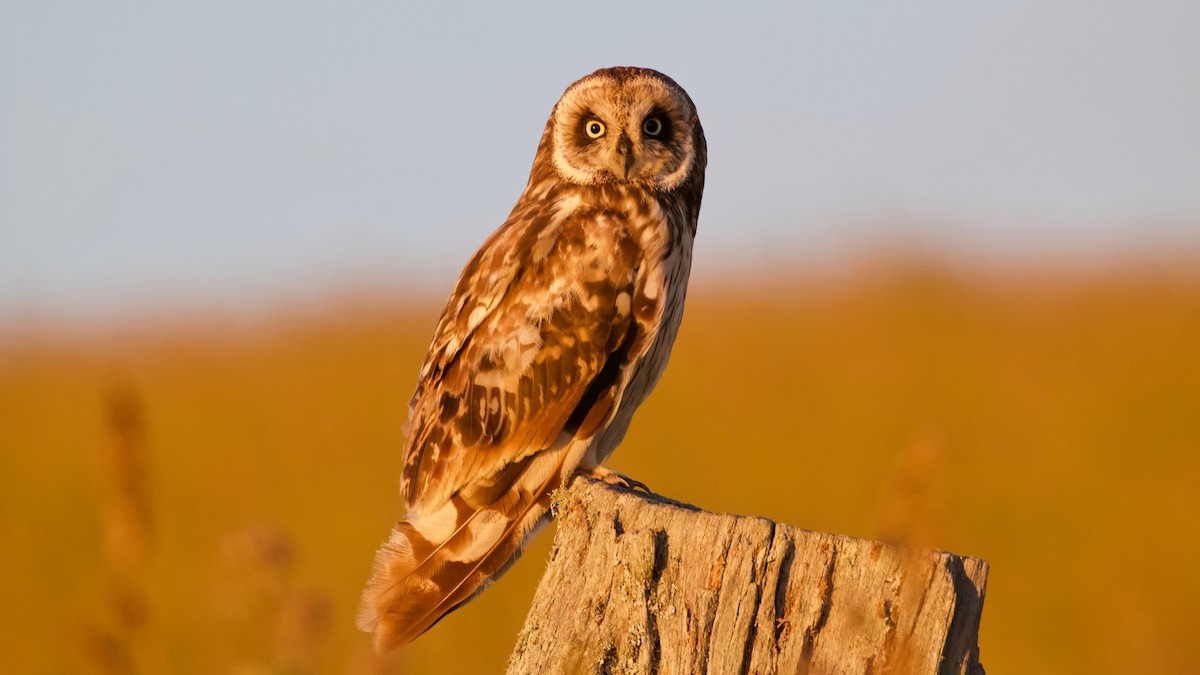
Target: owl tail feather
column 435, row 562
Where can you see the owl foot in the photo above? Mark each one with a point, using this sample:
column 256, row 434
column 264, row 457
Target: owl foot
column 607, row 475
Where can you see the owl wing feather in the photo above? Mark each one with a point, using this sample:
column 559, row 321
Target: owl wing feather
column 531, row 353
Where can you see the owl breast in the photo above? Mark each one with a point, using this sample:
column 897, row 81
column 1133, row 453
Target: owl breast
column 666, row 243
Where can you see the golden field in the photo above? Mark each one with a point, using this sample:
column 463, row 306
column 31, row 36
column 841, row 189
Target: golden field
column 205, row 496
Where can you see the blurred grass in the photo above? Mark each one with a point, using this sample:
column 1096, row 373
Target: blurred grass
column 1048, row 423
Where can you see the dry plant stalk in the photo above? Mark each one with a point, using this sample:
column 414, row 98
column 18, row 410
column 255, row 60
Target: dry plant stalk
column 272, row 625
column 911, row 510
column 128, row 535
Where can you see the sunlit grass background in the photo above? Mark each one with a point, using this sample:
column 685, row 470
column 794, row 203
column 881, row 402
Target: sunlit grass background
column 198, row 494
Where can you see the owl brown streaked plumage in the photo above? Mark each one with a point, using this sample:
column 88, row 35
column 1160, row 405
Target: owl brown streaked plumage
column 557, row 330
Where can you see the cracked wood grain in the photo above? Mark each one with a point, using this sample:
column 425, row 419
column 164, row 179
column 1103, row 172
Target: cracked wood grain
column 640, row 584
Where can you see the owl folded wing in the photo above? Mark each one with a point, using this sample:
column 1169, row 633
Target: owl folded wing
column 532, row 352
column 535, row 343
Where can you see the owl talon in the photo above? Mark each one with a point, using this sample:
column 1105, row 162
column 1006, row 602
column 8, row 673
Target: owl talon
column 607, row 475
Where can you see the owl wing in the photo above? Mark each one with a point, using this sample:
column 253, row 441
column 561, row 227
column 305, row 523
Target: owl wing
column 534, row 343
column 532, row 351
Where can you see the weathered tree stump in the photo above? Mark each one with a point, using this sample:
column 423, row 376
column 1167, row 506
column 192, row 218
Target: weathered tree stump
column 641, row 584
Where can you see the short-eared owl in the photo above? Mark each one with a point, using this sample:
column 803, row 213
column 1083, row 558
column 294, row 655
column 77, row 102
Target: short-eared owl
column 557, row 330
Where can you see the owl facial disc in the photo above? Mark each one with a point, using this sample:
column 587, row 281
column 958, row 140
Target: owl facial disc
column 624, row 125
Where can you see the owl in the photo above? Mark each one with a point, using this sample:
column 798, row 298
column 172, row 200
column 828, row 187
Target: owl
column 556, row 331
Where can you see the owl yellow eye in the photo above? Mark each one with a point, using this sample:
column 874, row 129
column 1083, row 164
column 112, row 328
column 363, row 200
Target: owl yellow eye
column 652, row 126
column 594, row 128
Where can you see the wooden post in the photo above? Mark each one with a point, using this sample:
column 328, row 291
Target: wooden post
column 641, row 584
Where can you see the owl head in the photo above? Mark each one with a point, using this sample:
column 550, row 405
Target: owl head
column 625, row 125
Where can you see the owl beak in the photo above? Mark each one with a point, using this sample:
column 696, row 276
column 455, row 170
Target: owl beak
column 625, row 157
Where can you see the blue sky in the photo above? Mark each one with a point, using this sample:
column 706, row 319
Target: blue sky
column 171, row 152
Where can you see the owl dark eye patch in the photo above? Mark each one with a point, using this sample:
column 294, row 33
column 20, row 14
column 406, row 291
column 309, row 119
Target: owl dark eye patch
column 589, row 127
column 663, row 132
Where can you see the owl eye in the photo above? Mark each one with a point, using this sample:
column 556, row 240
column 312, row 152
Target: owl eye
column 652, row 126
column 594, row 128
